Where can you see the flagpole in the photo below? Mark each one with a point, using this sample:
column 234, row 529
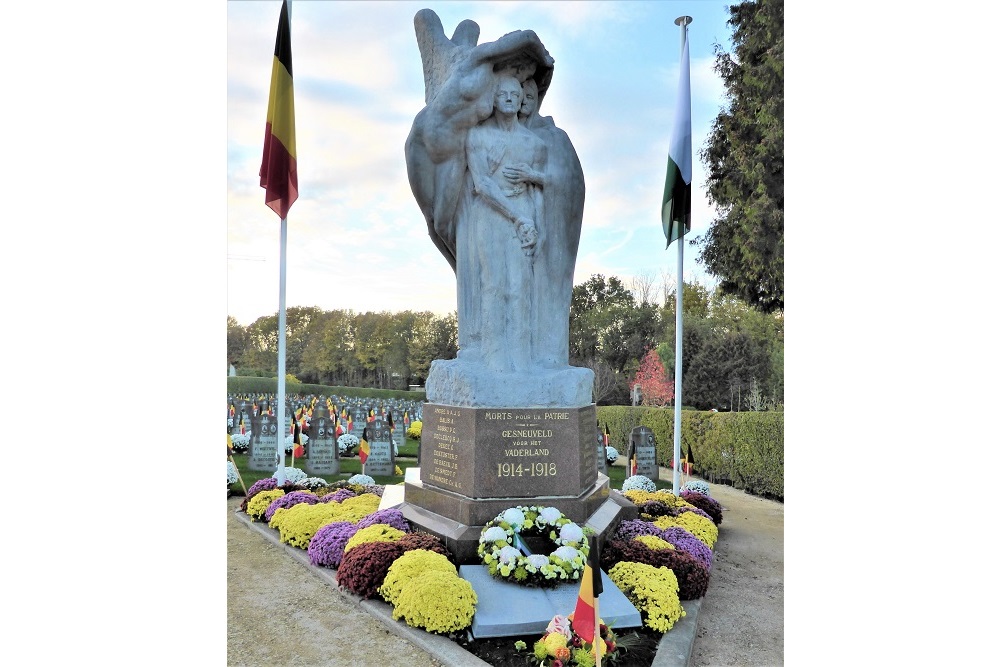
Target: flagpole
column 279, row 474
column 280, row 453
column 597, row 629
column 683, row 22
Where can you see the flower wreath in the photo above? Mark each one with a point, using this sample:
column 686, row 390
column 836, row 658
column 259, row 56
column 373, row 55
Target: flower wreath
column 508, row 562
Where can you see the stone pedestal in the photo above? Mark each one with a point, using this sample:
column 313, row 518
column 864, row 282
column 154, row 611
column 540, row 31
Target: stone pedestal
column 477, row 462
column 460, row 383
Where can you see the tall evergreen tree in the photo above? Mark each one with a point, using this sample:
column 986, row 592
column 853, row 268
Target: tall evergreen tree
column 744, row 157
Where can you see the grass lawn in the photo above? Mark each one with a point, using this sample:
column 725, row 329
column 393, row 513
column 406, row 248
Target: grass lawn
column 407, row 459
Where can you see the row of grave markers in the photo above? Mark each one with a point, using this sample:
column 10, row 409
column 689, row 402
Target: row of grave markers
column 322, row 419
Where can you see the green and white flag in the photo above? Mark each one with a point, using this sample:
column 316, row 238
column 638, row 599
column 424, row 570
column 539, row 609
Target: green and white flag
column 676, row 211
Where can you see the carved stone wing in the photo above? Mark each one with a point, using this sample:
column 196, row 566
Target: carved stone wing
column 437, row 51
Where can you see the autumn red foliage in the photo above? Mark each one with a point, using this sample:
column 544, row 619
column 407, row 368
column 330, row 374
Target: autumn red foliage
column 652, row 378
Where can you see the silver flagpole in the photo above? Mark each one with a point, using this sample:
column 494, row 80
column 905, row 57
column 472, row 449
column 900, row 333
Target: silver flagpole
column 279, row 455
column 683, row 22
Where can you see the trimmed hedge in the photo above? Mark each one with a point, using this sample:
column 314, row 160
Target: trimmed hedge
column 240, row 384
column 746, row 449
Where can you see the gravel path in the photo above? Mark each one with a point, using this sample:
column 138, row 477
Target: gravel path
column 280, row 613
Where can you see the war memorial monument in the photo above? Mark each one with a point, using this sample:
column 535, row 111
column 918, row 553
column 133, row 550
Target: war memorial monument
column 508, row 421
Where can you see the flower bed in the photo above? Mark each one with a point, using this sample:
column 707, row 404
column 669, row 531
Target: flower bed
column 378, row 554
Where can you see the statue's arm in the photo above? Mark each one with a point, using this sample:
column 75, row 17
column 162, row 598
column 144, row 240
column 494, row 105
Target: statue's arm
column 511, row 44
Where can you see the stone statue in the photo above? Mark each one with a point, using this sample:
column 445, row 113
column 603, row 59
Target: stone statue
column 503, row 201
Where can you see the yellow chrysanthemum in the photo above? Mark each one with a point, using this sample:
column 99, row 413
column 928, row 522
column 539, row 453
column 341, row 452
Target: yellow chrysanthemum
column 259, row 503
column 374, row 533
column 654, row 542
column 554, row 641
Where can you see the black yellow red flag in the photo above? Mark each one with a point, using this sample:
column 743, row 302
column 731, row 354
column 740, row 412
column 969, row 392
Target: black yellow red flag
column 591, row 587
column 278, row 171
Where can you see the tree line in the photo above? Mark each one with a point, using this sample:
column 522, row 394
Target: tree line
column 733, row 354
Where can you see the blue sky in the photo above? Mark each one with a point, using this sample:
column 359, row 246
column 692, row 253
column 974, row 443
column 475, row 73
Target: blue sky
column 356, row 239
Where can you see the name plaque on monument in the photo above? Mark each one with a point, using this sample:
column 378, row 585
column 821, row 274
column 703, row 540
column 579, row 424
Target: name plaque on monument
column 644, row 446
column 508, row 453
column 380, row 459
column 601, row 454
column 264, row 443
column 324, row 457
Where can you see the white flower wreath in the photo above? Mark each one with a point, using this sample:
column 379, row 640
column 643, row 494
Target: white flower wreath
column 499, row 540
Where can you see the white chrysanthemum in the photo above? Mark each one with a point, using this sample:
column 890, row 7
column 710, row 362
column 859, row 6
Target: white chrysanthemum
column 611, row 453
column 231, row 475
column 346, row 442
column 549, row 515
column 313, row 482
column 570, row 532
column 240, row 439
column 639, row 483
column 538, row 560
column 697, row 486
column 508, row 555
column 363, row 480
column 493, row 534
column 567, row 553
column 514, row 517
column 293, row 475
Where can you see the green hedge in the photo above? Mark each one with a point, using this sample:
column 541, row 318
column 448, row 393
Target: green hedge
column 746, row 449
column 256, row 385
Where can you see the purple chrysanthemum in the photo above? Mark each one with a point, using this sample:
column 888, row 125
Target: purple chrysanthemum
column 390, row 517
column 632, row 528
column 287, row 500
column 266, row 484
column 338, row 496
column 685, row 541
column 326, row 548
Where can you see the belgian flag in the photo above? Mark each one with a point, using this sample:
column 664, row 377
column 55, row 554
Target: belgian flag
column 364, row 449
column 591, row 586
column 278, row 170
column 297, row 449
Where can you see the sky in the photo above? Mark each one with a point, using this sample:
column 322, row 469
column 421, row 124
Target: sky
column 356, row 239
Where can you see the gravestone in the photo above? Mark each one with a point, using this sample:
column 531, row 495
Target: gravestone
column 399, row 432
column 264, row 443
column 642, row 444
column 358, row 425
column 381, row 460
column 324, row 457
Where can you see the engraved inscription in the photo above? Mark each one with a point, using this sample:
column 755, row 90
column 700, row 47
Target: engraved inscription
column 443, row 439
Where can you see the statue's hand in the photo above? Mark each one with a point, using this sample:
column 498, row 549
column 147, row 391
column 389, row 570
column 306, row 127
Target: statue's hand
column 521, row 173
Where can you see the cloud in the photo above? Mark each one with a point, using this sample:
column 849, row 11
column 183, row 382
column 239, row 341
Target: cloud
column 356, row 237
